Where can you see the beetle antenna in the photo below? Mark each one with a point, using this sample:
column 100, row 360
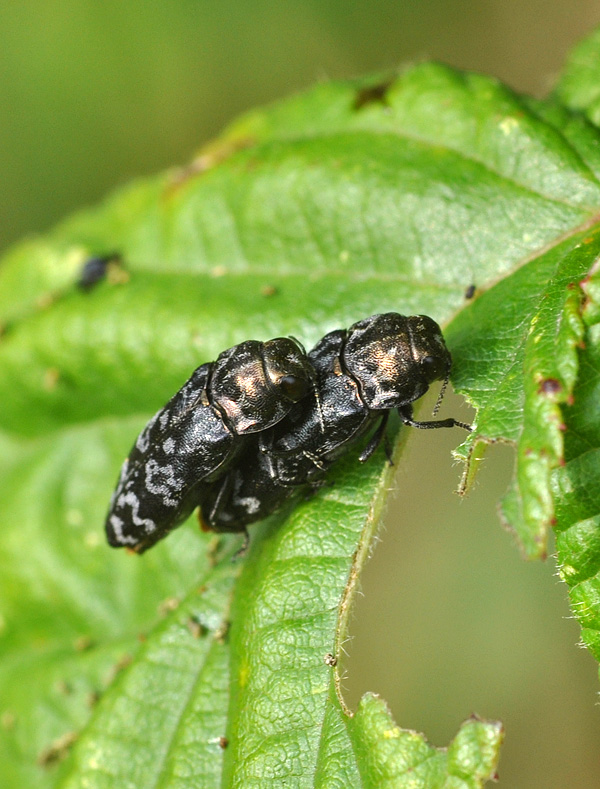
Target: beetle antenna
column 438, row 402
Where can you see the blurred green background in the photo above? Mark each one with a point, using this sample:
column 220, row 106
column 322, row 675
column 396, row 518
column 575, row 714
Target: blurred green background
column 93, row 94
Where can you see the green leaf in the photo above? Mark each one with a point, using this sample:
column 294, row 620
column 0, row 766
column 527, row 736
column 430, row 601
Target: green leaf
column 288, row 615
column 70, row 618
column 393, row 758
column 351, row 199
column 519, row 340
column 163, row 721
column 579, row 86
column 575, row 483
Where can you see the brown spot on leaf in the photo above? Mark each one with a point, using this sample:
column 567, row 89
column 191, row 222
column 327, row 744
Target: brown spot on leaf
column 116, row 274
column 372, row 94
column 195, row 627
column 50, row 380
column 121, row 664
column 93, row 697
column 549, row 386
column 168, row 605
column 45, row 300
column 57, row 750
column 212, row 155
column 83, row 643
column 63, row 687
column 222, row 632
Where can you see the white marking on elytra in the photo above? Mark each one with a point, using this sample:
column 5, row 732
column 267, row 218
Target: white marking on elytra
column 123, row 474
column 143, row 440
column 117, row 526
column 161, row 481
column 130, row 500
column 169, row 445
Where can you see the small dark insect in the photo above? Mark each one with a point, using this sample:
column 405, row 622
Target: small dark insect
column 470, row 292
column 94, row 270
column 199, row 433
column 384, row 362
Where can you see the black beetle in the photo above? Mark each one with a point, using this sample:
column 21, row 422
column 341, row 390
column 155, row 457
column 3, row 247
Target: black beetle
column 95, row 269
column 199, row 432
column 384, row 362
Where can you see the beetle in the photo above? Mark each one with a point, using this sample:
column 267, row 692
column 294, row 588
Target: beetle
column 196, row 436
column 381, row 363
column 95, row 269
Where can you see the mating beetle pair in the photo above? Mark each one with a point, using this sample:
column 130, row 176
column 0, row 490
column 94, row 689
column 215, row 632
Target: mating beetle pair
column 236, row 443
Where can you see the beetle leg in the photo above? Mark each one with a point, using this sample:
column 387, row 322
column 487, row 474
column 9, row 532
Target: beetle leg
column 293, row 481
column 406, row 415
column 224, row 491
column 378, row 436
column 296, row 478
column 315, row 459
column 213, row 520
column 265, row 445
